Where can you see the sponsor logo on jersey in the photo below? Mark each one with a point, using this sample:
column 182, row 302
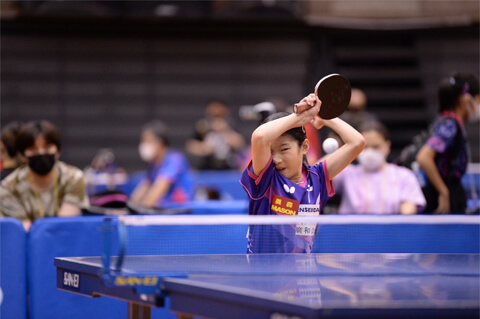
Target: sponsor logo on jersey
column 285, row 206
column 309, row 210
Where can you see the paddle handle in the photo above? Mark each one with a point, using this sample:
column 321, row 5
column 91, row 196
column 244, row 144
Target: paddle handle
column 301, row 107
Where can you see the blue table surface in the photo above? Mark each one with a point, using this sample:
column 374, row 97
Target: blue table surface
column 317, row 281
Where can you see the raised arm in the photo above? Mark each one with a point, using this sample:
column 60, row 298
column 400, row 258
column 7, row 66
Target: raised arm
column 354, row 144
column 266, row 133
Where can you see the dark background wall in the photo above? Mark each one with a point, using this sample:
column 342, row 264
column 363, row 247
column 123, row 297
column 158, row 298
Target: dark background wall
column 100, row 80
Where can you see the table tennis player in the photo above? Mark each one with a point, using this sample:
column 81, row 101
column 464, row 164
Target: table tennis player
column 445, row 155
column 279, row 182
column 45, row 186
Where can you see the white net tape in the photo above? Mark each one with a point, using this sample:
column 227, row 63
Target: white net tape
column 281, row 220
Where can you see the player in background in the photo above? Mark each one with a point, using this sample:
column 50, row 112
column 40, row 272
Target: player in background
column 279, row 182
column 444, row 157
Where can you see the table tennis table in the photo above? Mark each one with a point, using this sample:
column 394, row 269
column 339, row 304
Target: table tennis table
column 281, row 286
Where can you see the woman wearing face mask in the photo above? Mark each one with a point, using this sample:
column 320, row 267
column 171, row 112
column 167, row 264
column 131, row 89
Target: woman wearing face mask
column 444, row 157
column 45, row 186
column 168, row 177
column 375, row 186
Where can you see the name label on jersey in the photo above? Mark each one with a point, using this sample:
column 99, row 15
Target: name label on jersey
column 307, row 229
column 283, row 205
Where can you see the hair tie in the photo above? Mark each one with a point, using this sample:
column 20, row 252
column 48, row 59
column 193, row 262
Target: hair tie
column 466, row 88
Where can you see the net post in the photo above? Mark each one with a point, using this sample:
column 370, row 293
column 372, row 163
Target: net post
column 122, row 238
column 107, row 233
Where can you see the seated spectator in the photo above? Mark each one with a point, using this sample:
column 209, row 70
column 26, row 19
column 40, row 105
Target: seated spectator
column 215, row 142
column 45, row 186
column 103, row 173
column 375, row 186
column 168, row 177
column 10, row 158
column 444, row 157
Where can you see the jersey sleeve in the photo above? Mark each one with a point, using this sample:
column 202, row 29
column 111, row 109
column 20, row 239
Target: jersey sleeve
column 327, row 189
column 256, row 186
column 339, row 180
column 443, row 135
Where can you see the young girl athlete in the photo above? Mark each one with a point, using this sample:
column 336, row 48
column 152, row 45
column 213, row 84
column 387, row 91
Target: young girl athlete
column 278, row 181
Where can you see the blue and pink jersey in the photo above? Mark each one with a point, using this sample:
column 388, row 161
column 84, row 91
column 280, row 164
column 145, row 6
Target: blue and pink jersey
column 273, row 194
column 449, row 141
column 176, row 169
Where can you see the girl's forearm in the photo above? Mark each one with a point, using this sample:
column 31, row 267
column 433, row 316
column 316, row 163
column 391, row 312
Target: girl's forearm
column 354, row 144
column 269, row 131
column 347, row 133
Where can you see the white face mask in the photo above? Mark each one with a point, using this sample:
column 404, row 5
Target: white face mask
column 473, row 115
column 372, row 160
column 147, row 151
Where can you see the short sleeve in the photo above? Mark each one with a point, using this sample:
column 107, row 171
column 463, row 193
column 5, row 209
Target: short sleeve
column 256, row 186
column 410, row 190
column 443, row 135
column 75, row 191
column 327, row 189
column 10, row 205
column 171, row 169
column 339, row 180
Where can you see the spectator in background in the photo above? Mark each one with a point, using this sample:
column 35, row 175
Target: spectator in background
column 215, row 142
column 258, row 113
column 168, row 177
column 8, row 149
column 356, row 114
column 375, row 186
column 444, row 157
column 103, row 173
column 46, row 186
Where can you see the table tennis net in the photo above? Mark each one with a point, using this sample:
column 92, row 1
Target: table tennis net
column 227, row 234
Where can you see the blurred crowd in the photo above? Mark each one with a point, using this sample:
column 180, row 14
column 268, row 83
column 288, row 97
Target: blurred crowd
column 426, row 178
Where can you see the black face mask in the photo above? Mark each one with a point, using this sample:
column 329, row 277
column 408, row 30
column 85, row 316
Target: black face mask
column 41, row 164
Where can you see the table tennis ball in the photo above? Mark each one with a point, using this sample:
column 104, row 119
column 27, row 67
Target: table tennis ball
column 330, row 145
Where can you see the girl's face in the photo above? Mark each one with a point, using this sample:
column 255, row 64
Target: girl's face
column 288, row 157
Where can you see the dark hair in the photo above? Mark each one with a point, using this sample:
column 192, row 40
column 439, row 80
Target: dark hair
column 159, row 129
column 31, row 130
column 10, row 136
column 451, row 88
column 297, row 133
column 376, row 127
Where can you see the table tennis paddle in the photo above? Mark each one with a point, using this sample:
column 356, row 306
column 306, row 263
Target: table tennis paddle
column 334, row 91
